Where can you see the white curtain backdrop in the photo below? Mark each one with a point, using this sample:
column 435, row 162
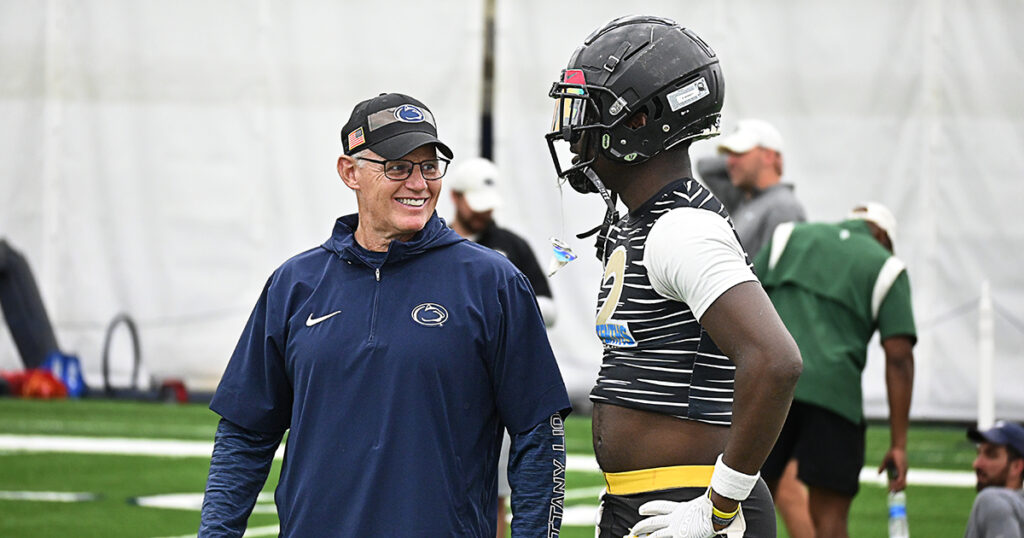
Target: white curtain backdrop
column 915, row 104
column 162, row 159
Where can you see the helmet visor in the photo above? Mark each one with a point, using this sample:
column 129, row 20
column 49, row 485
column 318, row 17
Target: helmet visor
column 570, row 101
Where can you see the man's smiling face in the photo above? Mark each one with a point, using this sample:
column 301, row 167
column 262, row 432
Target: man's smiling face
column 392, row 210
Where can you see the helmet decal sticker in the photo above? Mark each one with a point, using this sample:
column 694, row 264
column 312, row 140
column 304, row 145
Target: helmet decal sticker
column 691, row 93
column 574, row 76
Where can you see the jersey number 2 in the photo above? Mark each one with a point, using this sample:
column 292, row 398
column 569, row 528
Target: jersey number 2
column 616, row 269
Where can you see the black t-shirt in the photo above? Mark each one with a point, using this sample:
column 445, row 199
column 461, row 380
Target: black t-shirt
column 519, row 253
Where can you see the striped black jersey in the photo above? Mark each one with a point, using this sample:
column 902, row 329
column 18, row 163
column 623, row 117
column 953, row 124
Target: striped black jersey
column 657, row 357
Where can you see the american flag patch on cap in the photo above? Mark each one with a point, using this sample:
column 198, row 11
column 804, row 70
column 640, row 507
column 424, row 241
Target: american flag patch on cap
column 356, row 138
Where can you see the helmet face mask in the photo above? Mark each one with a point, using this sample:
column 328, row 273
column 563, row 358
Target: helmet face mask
column 577, row 114
column 634, row 66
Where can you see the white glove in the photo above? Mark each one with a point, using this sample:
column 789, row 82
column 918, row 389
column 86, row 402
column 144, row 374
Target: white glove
column 690, row 519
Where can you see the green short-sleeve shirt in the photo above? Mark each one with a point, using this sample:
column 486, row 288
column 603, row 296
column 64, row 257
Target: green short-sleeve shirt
column 833, row 286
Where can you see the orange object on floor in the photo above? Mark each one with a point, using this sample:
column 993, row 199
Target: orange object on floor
column 43, row 385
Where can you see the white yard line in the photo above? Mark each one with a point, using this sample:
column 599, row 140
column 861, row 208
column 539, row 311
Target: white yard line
column 174, row 448
column 110, row 445
column 105, row 445
column 575, row 462
column 48, row 496
column 922, row 477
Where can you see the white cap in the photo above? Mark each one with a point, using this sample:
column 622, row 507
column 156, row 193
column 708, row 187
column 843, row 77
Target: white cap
column 477, row 180
column 878, row 214
column 749, row 134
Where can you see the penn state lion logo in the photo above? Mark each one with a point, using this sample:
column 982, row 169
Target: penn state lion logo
column 409, row 114
column 430, row 314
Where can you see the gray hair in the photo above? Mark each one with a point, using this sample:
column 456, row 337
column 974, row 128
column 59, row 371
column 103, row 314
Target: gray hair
column 358, row 154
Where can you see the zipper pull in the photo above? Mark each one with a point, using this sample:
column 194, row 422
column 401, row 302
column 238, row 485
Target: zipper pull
column 377, row 270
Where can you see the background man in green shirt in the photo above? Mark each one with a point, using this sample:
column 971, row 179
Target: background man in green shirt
column 834, row 285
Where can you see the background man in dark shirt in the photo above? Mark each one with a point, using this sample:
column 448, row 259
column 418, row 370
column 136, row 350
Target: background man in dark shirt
column 475, row 193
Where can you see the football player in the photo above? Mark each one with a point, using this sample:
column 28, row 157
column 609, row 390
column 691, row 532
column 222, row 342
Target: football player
column 698, row 370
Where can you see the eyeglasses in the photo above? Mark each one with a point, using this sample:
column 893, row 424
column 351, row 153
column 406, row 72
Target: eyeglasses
column 401, row 169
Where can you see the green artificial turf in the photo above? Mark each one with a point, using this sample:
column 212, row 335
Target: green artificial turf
column 933, row 511
column 117, row 479
column 108, row 418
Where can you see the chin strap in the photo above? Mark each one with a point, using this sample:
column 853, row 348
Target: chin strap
column 611, row 215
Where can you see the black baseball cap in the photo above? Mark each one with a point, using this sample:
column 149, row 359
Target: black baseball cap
column 1001, row 433
column 392, row 125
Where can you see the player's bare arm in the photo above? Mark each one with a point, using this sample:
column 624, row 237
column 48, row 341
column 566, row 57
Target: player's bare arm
column 746, row 327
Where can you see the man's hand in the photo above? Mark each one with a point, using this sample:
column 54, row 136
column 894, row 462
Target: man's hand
column 896, row 458
column 690, row 519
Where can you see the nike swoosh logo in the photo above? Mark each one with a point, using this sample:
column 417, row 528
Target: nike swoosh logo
column 310, row 321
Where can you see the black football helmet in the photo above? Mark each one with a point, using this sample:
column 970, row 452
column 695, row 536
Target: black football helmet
column 633, row 64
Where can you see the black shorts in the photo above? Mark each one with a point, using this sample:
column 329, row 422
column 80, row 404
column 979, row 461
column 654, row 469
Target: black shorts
column 828, row 448
column 618, row 513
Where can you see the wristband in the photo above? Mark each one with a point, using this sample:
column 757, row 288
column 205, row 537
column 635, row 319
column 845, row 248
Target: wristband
column 720, row 521
column 720, row 518
column 730, row 483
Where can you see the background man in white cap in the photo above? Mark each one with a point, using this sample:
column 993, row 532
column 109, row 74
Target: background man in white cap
column 753, row 158
column 834, row 285
column 475, row 193
column 999, row 507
